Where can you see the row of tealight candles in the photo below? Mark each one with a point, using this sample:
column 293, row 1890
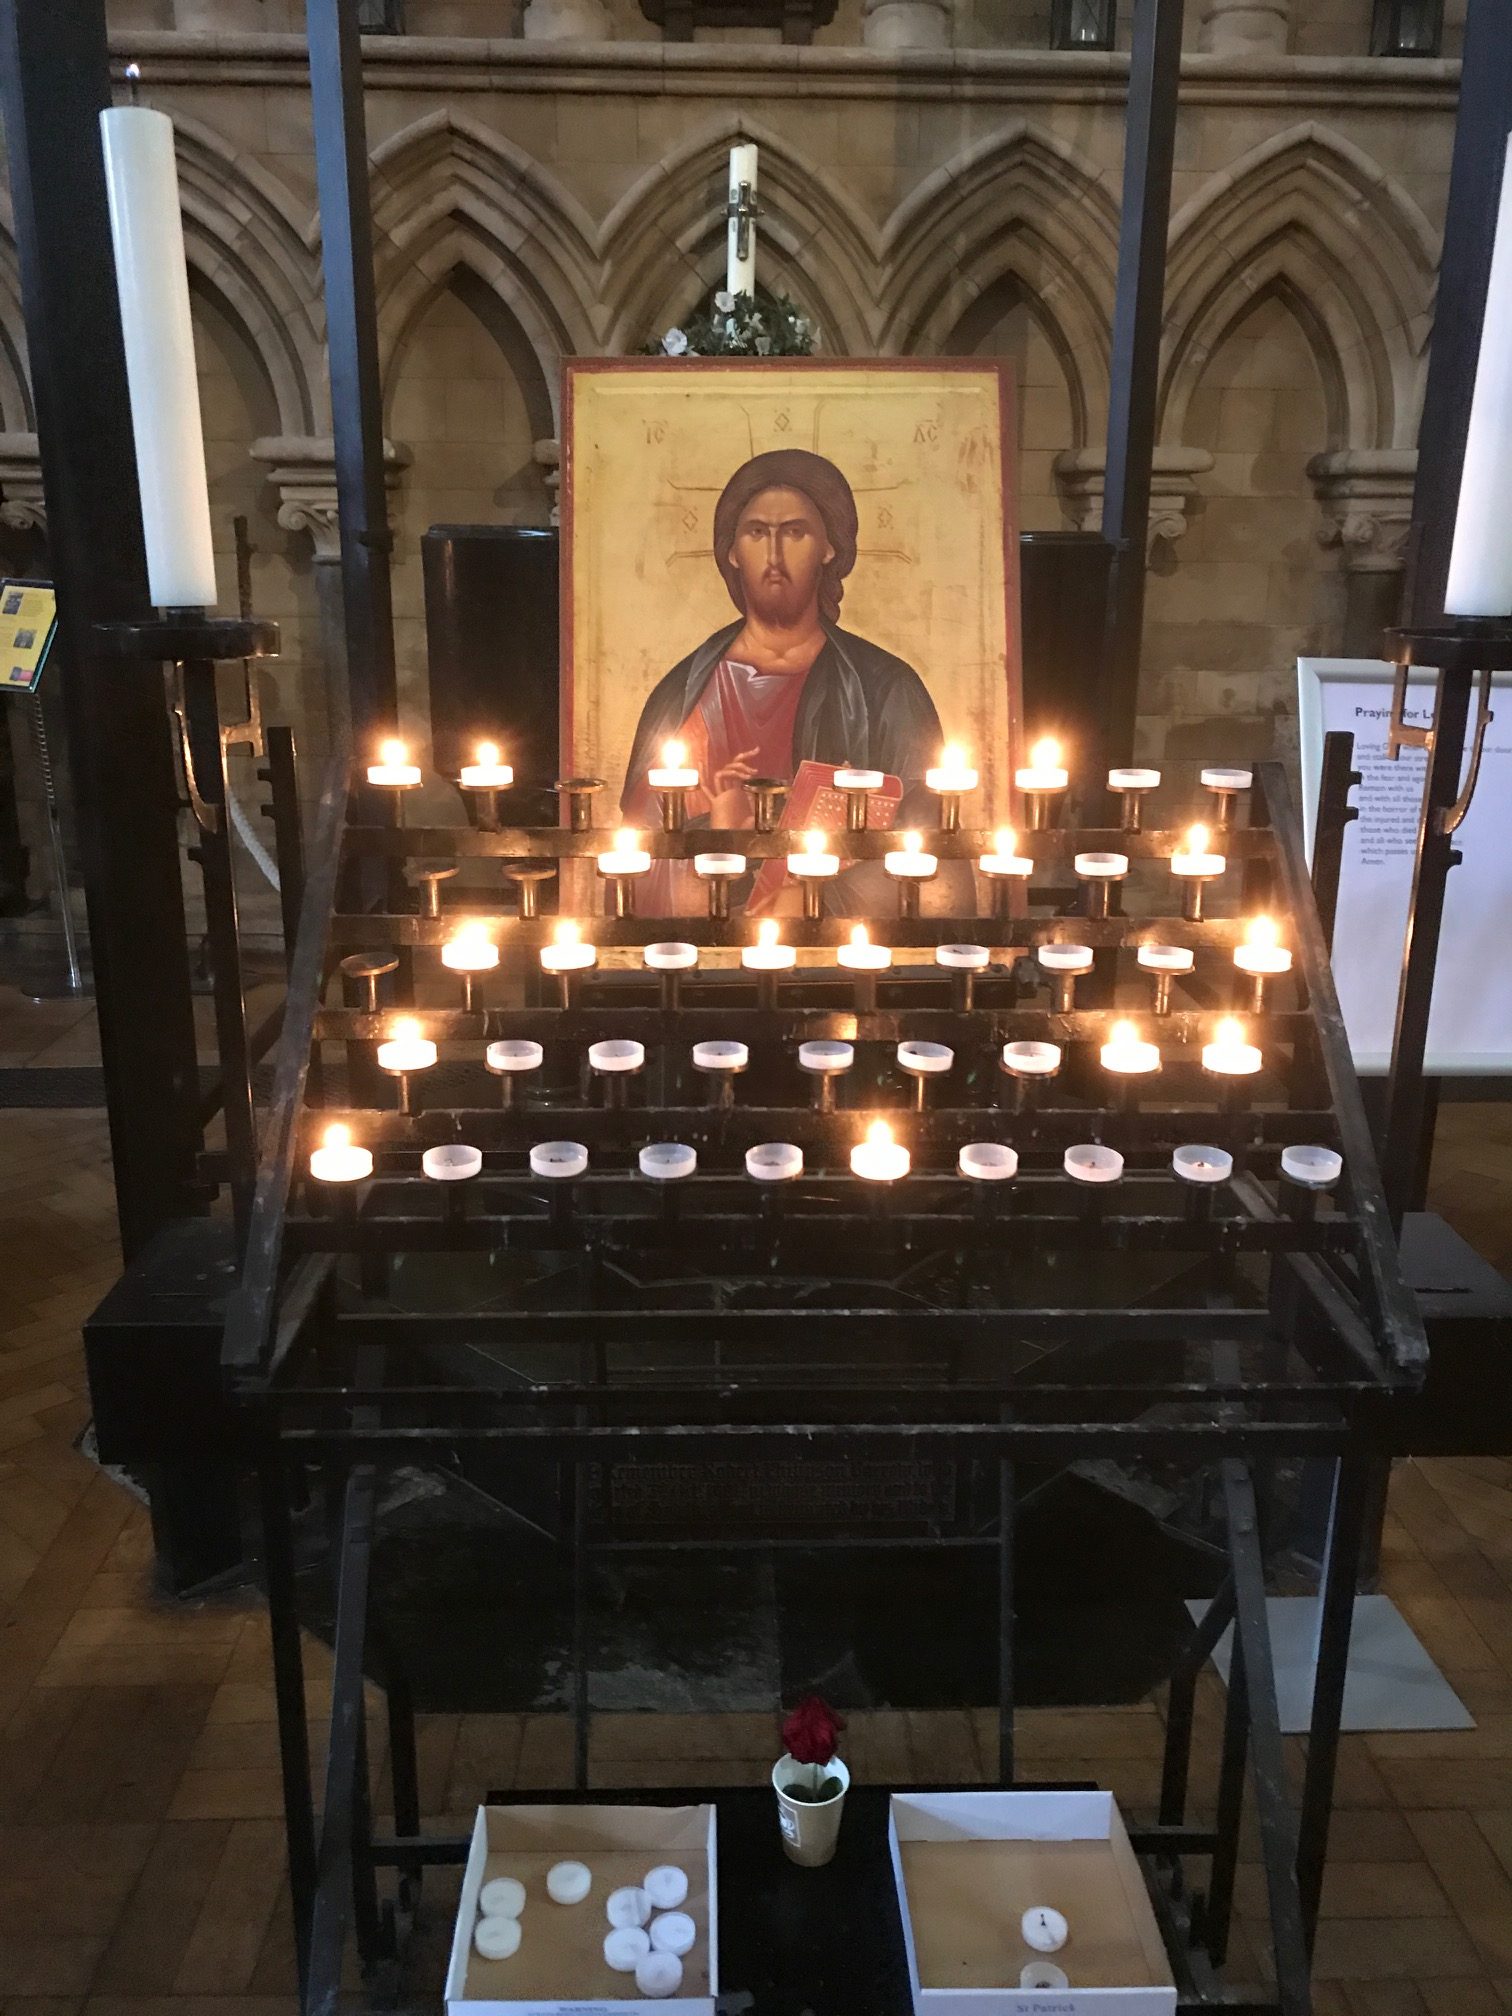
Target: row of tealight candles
column 878, row 1158
column 1042, row 782
column 1129, row 1059
column 471, row 953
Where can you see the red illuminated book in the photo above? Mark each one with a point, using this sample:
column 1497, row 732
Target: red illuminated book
column 815, row 800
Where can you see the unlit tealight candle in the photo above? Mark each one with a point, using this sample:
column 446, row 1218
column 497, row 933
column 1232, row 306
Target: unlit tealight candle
column 658, row 1975
column 628, row 1906
column 1045, row 1929
column 568, row 1882
column 497, row 1938
column 674, row 1931
column 625, row 1947
column 503, row 1897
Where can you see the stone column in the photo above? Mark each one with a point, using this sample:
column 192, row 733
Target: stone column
column 566, row 21
column 547, row 456
column 21, row 505
column 906, row 24
column 1082, row 476
column 1366, row 494
column 1245, row 27
column 302, row 469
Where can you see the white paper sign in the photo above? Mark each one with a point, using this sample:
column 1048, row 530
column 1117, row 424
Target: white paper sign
column 1471, row 1026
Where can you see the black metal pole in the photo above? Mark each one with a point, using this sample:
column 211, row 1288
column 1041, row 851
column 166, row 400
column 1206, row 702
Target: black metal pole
column 1475, row 178
column 54, row 83
column 346, row 226
column 1149, row 149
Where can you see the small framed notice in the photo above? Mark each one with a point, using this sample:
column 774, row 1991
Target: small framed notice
column 1471, row 1028
column 28, row 618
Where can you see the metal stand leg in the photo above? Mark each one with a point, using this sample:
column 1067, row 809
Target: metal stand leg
column 1352, row 1490
column 1006, row 1620
column 55, row 846
column 289, row 1691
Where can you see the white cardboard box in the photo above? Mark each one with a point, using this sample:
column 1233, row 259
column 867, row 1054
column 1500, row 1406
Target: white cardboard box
column 559, row 1969
column 969, row 1864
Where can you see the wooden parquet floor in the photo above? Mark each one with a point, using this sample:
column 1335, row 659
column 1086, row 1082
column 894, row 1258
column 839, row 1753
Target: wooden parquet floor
column 140, row 1843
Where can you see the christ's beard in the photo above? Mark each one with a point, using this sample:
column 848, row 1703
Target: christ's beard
column 780, row 601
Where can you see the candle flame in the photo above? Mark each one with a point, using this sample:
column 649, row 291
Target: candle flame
column 1229, row 1031
column 337, row 1136
column 952, row 757
column 766, row 931
column 814, row 843
column 1046, row 754
column 879, row 1134
column 1123, row 1033
column 405, row 1030
column 1197, row 840
column 472, row 931
column 912, row 842
column 1264, row 933
column 626, row 840
column 860, row 935
column 674, row 755
column 393, row 752
column 487, row 755
column 568, row 933
column 1005, row 842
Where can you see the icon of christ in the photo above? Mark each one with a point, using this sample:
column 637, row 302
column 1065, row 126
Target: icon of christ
column 784, row 683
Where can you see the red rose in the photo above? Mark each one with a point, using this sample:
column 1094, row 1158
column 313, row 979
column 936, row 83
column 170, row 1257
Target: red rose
column 812, row 1731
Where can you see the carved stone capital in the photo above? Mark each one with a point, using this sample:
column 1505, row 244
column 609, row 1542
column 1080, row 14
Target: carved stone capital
column 1245, row 27
column 1082, row 476
column 23, row 507
column 547, row 456
column 566, row 21
column 302, row 469
column 906, row 24
column 1366, row 494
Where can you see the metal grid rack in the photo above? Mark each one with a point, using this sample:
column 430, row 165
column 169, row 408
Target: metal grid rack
column 718, row 1318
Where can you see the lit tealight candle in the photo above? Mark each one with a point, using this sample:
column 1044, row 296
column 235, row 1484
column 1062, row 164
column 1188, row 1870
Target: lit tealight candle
column 813, row 867
column 673, row 778
column 1125, row 1052
column 567, row 956
column 405, row 1052
column 766, row 959
column 1041, row 779
column 620, row 864
column 470, row 953
column 865, row 960
column 1262, row 956
column 1003, row 867
column 394, row 772
column 910, row 867
column 1195, row 866
column 951, row 778
column 338, row 1160
column 1129, row 787
column 1229, row 1055
column 879, row 1158
column 486, row 777
column 486, row 772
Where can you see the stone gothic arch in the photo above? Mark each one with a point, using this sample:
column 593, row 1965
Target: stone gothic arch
column 449, row 195
column 1019, row 206
column 1311, row 219
column 664, row 241
column 244, row 246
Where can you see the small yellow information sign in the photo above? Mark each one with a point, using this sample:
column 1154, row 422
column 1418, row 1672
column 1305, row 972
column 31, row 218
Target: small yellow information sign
column 28, row 618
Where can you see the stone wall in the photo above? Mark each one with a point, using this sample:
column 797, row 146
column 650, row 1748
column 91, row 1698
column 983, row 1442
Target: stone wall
column 534, row 199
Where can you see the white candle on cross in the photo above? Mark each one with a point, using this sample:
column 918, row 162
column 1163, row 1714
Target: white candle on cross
column 1480, row 559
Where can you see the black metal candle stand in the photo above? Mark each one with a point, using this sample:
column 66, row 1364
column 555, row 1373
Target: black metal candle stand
column 716, row 1318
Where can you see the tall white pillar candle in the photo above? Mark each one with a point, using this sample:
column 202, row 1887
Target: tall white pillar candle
column 740, row 271
column 1480, row 560
column 152, row 280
